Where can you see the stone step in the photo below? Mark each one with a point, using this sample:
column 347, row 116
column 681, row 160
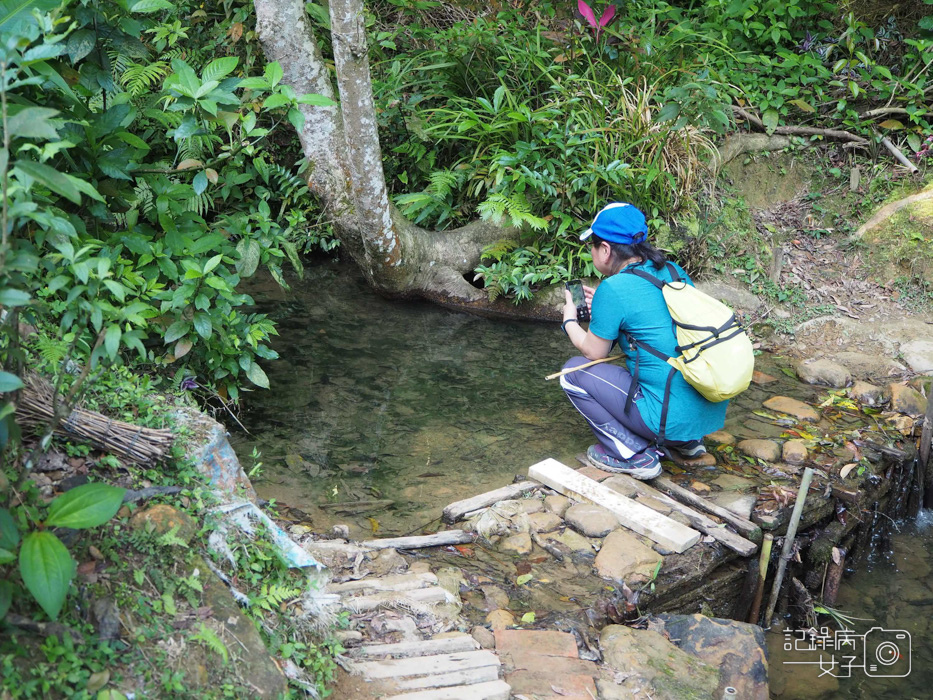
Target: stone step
column 453, row 678
column 493, row 690
column 426, row 665
column 421, row 596
column 545, row 664
column 427, row 647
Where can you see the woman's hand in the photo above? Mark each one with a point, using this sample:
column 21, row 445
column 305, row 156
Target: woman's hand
column 588, row 293
column 570, row 309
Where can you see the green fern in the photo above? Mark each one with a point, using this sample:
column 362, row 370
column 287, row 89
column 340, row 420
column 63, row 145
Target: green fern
column 208, row 637
column 499, row 249
column 139, row 78
column 199, row 203
column 52, row 350
column 273, row 595
column 515, row 205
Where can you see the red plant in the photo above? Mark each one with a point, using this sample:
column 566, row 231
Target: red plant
column 586, row 11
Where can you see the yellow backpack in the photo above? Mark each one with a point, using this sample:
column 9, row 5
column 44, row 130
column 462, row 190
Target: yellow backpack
column 716, row 355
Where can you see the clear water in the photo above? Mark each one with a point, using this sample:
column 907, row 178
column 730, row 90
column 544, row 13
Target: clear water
column 403, row 401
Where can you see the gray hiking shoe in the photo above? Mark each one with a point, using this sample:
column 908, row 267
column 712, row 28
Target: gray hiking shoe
column 644, row 465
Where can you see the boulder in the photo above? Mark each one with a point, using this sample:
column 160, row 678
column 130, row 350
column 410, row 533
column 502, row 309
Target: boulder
column 160, row 519
column 865, row 365
column 544, row 522
column 768, row 450
column 918, row 354
column 516, row 544
column 793, row 407
column 737, row 649
column 865, row 393
column 907, row 400
column 624, row 558
column 732, row 296
column 591, row 520
column 824, row 372
column 213, row 456
column 557, row 504
column 794, row 451
column 651, row 666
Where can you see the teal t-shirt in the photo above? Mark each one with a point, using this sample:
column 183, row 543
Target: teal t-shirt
column 626, row 303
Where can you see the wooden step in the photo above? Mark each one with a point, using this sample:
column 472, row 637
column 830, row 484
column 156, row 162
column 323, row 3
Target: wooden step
column 493, row 690
column 426, row 665
column 426, row 647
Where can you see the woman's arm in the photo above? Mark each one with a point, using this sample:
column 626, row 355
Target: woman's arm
column 592, row 347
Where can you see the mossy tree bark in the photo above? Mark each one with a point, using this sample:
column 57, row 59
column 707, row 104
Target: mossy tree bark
column 346, row 174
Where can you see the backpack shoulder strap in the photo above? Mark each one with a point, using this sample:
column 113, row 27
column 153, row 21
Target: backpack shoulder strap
column 675, row 276
column 645, row 276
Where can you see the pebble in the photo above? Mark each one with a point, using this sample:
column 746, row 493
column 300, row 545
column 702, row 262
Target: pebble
column 544, row 522
column 866, row 393
column 793, row 407
column 721, row 437
column 496, row 598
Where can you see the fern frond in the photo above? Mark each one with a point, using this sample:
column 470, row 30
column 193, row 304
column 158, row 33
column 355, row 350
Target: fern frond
column 200, row 204
column 51, row 350
column 138, row 78
column 498, row 250
column 209, row 638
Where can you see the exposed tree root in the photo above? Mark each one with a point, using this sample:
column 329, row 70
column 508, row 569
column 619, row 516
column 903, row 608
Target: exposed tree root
column 889, row 210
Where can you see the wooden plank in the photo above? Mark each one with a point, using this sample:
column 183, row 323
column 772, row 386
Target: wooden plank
column 425, row 665
column 394, row 582
column 424, row 596
column 460, row 509
column 443, row 680
column 666, row 532
column 701, row 522
column 743, row 526
column 439, row 539
column 425, row 647
column 494, row 690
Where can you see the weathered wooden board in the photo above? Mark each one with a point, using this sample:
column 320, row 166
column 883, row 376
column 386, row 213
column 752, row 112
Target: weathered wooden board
column 666, row 532
column 443, row 680
column 424, row 665
column 423, row 596
column 460, row 509
column 425, row 647
column 745, row 527
column 494, row 690
column 436, row 540
column 392, row 582
column 701, row 522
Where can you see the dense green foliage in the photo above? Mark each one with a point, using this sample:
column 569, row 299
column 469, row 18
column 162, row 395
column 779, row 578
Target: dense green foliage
column 536, row 116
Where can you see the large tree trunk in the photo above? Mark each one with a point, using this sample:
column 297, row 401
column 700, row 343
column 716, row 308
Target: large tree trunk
column 342, row 145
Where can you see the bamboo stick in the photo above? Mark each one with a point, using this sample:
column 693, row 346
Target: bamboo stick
column 583, row 366
column 747, row 528
column 898, row 156
column 763, row 561
column 789, row 541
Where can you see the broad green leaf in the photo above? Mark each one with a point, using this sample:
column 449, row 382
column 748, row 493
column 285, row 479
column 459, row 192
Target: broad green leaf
column 249, row 257
column 523, row 579
column 112, row 342
column 9, row 382
column 11, row 10
column 118, row 290
column 6, row 556
column 913, row 140
column 6, row 597
column 33, row 123
column 276, row 100
column 212, row 263
column 200, row 182
column 9, row 534
column 219, row 68
column 296, row 118
column 528, row 618
column 316, row 100
column 51, row 178
column 254, row 84
column 770, row 120
column 145, row 6
column 273, row 73
column 81, row 43
column 669, row 111
column 257, row 376
column 85, row 506
column 202, row 324
column 176, row 331
column 14, row 297
column 803, row 105
column 46, row 568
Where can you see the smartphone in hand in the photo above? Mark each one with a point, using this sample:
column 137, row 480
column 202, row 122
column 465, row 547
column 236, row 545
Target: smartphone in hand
column 576, row 294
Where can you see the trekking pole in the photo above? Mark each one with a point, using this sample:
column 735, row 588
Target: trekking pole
column 787, row 549
column 583, row 366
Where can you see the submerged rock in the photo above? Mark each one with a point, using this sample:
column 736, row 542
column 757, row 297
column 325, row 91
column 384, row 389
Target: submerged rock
column 907, row 400
column 591, row 520
column 500, row 619
column 516, row 544
column 867, row 394
column 574, row 540
column 824, row 372
column 793, row 407
column 623, row 557
column 768, row 450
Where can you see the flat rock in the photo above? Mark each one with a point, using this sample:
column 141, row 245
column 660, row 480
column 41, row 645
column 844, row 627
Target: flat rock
column 865, row 393
column 864, row 365
column 500, row 620
column 824, row 372
column 918, row 354
column 496, row 598
column 721, row 437
column 574, row 540
column 794, row 451
column 557, row 504
column 544, row 522
column 732, row 296
column 651, row 666
column 762, row 378
column 516, row 544
column 484, row 637
column 741, row 504
column 532, row 505
column 793, row 407
column 768, row 450
column 623, row 557
column 737, row 649
column 907, row 400
column 591, row 520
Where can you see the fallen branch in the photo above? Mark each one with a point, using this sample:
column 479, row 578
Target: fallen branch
column 832, row 134
column 898, row 156
column 44, row 629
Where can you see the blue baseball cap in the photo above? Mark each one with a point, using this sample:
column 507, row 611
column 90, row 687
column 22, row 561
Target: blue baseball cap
column 618, row 222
